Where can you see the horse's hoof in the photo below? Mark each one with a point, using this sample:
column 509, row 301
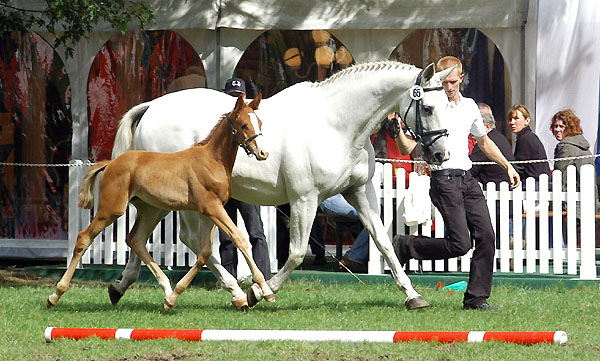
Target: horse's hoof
column 416, row 303
column 252, row 300
column 114, row 294
column 269, row 298
column 49, row 304
column 167, row 305
column 241, row 305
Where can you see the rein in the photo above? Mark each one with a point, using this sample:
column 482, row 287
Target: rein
column 426, row 138
column 244, row 143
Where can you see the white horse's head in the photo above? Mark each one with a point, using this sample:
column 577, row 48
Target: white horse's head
column 424, row 105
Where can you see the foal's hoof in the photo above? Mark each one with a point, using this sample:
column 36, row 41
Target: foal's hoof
column 241, row 305
column 269, row 298
column 114, row 294
column 416, row 303
column 252, row 299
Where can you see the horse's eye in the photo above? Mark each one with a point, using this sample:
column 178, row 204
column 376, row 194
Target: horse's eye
column 428, row 110
column 245, row 127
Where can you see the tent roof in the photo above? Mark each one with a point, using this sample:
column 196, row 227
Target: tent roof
column 329, row 14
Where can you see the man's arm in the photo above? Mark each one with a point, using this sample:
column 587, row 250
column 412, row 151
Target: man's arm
column 405, row 144
column 489, row 148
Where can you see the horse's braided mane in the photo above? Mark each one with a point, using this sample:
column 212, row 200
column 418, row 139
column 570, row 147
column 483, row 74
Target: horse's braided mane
column 372, row 66
column 207, row 138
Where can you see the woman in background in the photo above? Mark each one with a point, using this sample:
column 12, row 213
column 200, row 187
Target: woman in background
column 566, row 128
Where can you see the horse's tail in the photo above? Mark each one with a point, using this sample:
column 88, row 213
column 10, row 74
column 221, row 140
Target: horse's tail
column 127, row 125
column 86, row 193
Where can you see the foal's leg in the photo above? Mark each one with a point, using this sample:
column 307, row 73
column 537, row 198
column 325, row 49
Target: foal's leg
column 219, row 216
column 146, row 219
column 84, row 239
column 130, row 274
column 203, row 250
column 366, row 203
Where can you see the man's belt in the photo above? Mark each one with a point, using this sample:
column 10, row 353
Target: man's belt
column 448, row 173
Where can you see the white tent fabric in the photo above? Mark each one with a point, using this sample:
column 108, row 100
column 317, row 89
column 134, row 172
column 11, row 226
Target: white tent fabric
column 371, row 14
column 568, row 65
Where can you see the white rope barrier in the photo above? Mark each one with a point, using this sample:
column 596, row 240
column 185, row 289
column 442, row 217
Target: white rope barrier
column 79, row 163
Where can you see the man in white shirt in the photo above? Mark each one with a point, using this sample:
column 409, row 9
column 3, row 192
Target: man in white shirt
column 457, row 195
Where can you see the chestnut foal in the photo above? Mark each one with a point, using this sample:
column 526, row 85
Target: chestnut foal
column 198, row 178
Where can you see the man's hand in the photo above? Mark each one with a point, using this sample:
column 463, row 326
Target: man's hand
column 513, row 177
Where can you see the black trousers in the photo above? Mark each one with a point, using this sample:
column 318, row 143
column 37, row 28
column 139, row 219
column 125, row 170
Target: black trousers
column 463, row 207
column 260, row 250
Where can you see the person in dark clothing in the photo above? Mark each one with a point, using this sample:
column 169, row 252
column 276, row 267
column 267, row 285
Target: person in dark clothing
column 490, row 173
column 529, row 146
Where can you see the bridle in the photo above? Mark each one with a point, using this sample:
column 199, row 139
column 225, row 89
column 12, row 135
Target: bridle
column 243, row 142
column 425, row 138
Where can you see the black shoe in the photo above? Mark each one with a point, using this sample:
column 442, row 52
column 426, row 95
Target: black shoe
column 320, row 260
column 482, row 306
column 354, row 266
column 398, row 244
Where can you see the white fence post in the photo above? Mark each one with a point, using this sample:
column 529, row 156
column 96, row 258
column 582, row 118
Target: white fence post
column 587, row 270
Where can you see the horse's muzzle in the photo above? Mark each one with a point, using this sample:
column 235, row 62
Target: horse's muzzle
column 261, row 154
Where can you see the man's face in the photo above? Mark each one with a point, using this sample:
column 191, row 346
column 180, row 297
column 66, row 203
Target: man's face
column 452, row 85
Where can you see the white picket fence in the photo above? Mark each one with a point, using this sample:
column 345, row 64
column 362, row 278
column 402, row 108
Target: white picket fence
column 110, row 248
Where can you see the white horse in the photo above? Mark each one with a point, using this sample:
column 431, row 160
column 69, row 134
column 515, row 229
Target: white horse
column 318, row 138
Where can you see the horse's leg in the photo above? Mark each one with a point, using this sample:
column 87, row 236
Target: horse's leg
column 219, row 216
column 190, row 225
column 203, row 253
column 130, row 274
column 146, row 219
column 84, row 239
column 365, row 201
column 302, row 214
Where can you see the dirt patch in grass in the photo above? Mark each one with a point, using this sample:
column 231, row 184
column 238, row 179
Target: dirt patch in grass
column 11, row 277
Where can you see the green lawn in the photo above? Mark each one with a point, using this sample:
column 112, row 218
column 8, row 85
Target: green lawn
column 300, row 305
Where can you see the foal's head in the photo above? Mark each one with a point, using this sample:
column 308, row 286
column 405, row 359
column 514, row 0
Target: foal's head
column 246, row 126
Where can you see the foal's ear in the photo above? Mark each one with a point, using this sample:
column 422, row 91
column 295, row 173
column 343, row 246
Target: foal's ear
column 256, row 101
column 428, row 73
column 240, row 103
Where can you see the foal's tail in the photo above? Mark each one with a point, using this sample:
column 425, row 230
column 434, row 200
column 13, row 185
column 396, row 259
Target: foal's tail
column 127, row 125
column 86, row 193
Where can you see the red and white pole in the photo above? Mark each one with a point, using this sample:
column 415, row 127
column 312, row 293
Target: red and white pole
column 558, row 337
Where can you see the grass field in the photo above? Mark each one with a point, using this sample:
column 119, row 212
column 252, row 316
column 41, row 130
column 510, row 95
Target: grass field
column 300, row 305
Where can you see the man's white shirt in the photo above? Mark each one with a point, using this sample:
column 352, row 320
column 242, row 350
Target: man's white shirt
column 460, row 120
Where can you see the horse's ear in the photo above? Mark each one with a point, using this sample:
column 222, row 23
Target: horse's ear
column 240, row 103
column 256, row 101
column 428, row 73
column 444, row 73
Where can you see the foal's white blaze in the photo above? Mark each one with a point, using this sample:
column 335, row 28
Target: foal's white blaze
column 257, row 129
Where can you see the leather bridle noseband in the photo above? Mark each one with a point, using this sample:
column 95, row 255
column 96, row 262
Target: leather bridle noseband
column 244, row 143
column 425, row 138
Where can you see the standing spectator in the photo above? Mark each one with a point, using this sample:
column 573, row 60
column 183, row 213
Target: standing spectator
column 250, row 213
column 490, row 173
column 566, row 128
column 457, row 195
column 528, row 145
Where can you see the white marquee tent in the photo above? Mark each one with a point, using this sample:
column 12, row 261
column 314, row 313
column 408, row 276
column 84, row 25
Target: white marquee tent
column 551, row 47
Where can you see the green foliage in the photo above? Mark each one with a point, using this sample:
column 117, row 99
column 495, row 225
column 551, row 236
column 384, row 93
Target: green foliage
column 300, row 305
column 71, row 20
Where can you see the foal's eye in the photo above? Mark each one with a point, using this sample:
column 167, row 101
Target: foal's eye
column 245, row 127
column 428, row 110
